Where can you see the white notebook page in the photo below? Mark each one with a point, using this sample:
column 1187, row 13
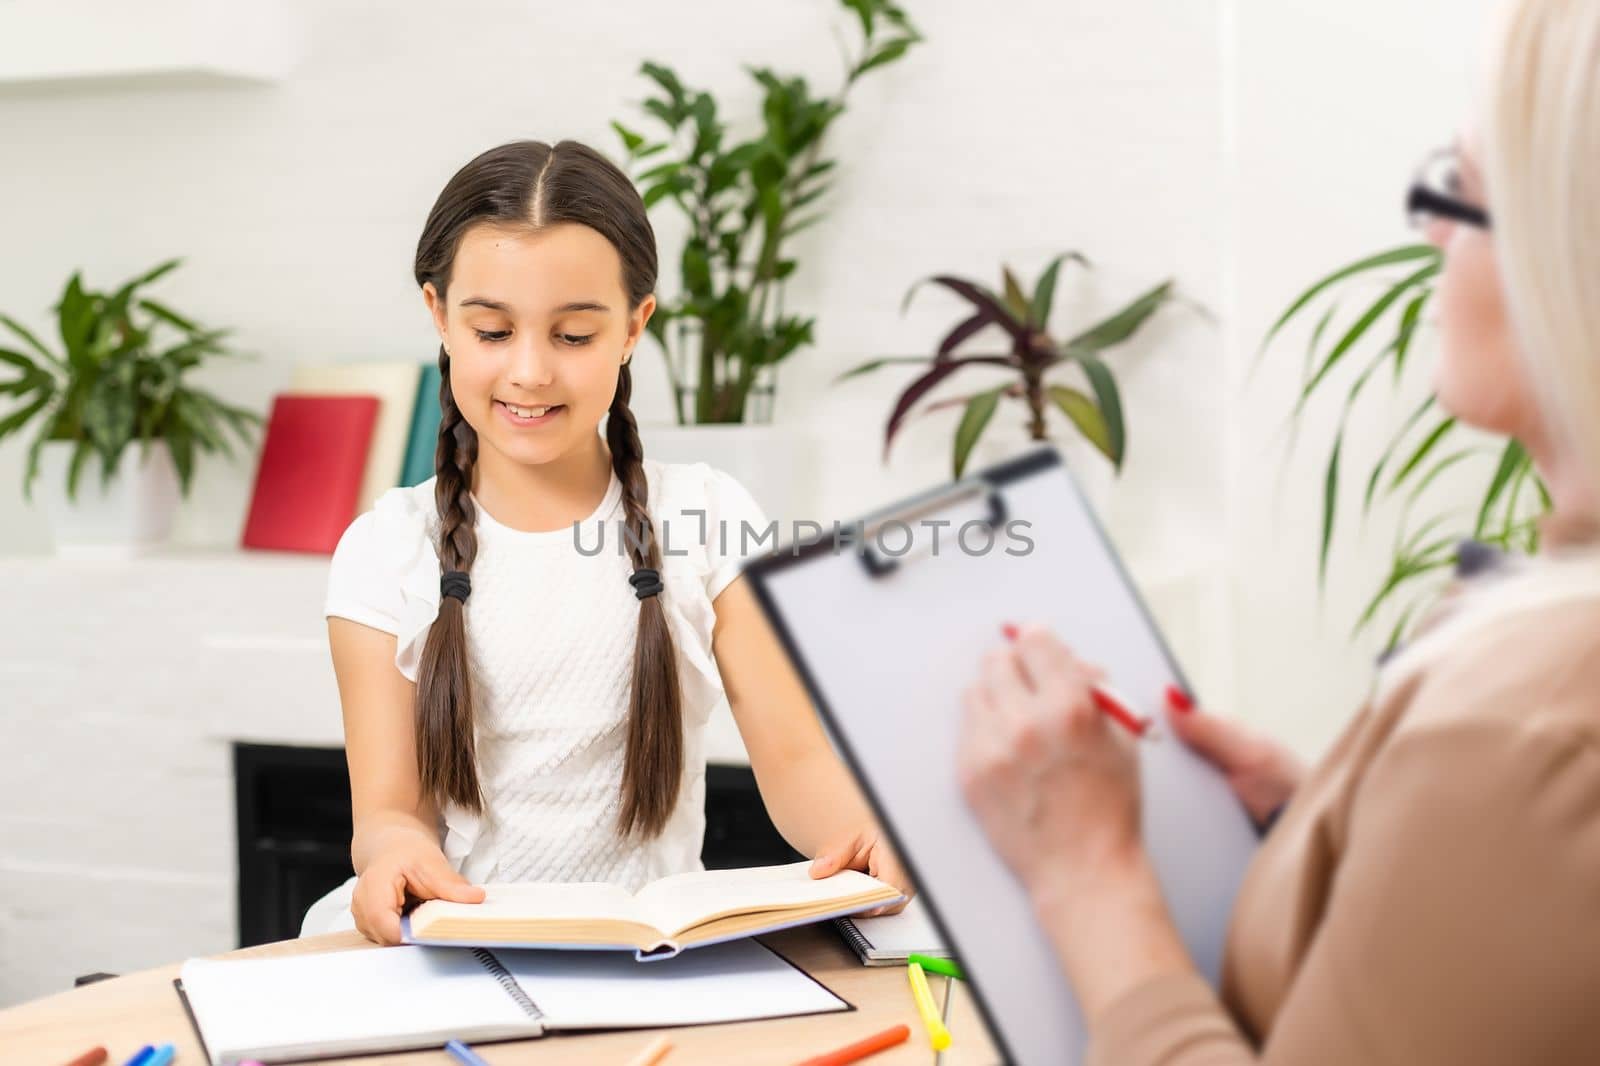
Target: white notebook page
column 720, row 983
column 898, row 935
column 379, row 998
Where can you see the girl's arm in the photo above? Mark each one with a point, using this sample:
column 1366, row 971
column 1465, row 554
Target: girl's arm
column 809, row 793
column 395, row 846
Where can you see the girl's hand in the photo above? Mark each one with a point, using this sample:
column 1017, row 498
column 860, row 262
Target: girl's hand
column 1053, row 783
column 411, row 866
column 867, row 851
column 1263, row 774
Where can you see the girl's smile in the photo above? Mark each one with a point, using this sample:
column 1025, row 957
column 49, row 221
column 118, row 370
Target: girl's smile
column 528, row 417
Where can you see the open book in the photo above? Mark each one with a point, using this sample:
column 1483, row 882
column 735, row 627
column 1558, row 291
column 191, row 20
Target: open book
column 658, row 921
column 392, row 999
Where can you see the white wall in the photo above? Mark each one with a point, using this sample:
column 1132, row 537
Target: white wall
column 1238, row 147
column 1333, row 106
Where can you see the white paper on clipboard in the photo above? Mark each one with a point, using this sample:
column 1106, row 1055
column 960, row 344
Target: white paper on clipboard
column 886, row 645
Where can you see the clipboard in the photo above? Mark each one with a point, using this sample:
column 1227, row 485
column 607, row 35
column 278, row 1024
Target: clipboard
column 886, row 621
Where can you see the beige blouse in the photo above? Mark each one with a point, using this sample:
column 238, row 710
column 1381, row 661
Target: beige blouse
column 1432, row 893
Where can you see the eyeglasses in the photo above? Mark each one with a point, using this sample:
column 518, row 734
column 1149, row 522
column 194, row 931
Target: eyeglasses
column 1436, row 193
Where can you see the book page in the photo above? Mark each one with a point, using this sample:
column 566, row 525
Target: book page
column 542, row 901
column 675, row 903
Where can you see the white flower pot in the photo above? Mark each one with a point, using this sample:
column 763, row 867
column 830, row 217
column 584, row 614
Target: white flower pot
column 129, row 516
column 775, row 463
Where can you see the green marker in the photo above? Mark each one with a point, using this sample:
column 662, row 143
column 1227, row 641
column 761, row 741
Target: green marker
column 940, row 966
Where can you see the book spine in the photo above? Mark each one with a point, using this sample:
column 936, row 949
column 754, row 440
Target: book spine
column 503, row 977
column 854, row 936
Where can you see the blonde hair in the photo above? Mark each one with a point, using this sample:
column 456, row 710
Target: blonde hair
column 1540, row 118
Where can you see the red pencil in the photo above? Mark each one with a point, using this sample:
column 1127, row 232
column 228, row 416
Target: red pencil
column 862, row 1048
column 93, row 1057
column 1109, row 702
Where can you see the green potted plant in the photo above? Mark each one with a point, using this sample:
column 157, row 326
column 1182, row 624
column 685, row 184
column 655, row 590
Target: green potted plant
column 726, row 329
column 117, row 380
column 1030, row 357
column 1387, row 294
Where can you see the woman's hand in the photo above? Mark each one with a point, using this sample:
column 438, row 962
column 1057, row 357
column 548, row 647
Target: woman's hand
column 410, row 865
column 1056, row 788
column 869, row 852
column 1262, row 774
column 1054, row 785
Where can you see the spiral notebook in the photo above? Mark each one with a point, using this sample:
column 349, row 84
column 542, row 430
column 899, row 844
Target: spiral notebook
column 892, row 939
column 400, row 998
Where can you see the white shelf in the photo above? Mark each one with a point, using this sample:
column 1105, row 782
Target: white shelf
column 62, row 43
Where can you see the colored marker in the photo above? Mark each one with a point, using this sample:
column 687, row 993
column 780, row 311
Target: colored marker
column 463, row 1054
column 162, row 1056
column 899, row 1034
column 652, row 1053
column 947, row 967
column 141, row 1056
column 938, row 1035
column 93, row 1057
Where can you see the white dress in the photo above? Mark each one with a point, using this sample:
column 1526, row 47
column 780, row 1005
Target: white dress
column 551, row 622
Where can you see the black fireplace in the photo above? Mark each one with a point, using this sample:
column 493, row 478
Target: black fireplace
column 293, row 808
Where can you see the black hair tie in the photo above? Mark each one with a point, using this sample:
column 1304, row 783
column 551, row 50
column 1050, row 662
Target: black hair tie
column 455, row 583
column 645, row 582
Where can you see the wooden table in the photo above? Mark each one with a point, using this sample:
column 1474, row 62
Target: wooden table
column 125, row 1013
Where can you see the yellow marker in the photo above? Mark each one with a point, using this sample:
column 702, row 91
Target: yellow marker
column 938, row 1035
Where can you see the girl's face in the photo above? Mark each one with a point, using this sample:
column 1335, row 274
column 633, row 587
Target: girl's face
column 537, row 326
column 1480, row 376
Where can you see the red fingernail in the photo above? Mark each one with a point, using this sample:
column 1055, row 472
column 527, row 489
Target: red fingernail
column 1178, row 699
column 1008, row 630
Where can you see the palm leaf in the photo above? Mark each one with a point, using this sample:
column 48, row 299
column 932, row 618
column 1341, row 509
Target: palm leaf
column 980, row 409
column 914, row 392
column 1016, row 302
column 979, row 297
column 33, row 342
column 1388, row 452
column 1358, row 329
column 875, row 364
column 1429, row 442
column 1083, row 413
column 1404, row 254
column 1044, row 293
column 1511, row 459
column 1122, row 325
column 1106, row 397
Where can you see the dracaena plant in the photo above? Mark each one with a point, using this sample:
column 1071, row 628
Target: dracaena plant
column 117, row 380
column 1032, row 357
column 744, row 201
column 1390, row 292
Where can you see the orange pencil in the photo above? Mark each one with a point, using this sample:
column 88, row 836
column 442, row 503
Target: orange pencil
column 862, row 1048
column 93, row 1057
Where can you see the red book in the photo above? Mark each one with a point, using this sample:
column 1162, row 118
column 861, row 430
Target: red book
column 310, row 475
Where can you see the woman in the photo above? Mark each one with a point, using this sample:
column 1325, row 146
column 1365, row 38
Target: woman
column 1431, row 891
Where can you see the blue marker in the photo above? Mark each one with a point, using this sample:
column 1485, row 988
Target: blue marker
column 141, row 1057
column 463, row 1054
column 162, row 1056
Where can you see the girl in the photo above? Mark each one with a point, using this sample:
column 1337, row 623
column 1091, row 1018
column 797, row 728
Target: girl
column 517, row 704
column 1431, row 893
